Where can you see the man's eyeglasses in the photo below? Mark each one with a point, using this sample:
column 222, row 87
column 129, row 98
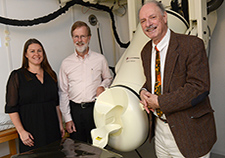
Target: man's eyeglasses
column 82, row 37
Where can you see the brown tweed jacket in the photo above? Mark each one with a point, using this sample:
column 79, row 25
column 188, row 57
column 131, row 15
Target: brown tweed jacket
column 185, row 100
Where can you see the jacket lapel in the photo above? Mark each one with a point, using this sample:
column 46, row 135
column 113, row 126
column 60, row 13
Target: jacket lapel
column 170, row 62
column 150, row 59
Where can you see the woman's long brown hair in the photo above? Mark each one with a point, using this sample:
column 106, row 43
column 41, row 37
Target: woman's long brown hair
column 44, row 64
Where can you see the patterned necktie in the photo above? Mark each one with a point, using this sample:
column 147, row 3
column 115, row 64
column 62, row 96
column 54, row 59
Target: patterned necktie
column 158, row 82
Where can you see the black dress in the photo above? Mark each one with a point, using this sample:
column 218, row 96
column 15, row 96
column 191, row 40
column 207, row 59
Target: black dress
column 36, row 104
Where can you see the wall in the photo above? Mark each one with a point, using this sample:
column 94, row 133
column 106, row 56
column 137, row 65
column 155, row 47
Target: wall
column 216, row 60
column 55, row 36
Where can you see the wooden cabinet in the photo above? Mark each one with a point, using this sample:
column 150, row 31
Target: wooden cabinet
column 9, row 135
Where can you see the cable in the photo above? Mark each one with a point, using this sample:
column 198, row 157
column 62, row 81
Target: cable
column 62, row 10
column 138, row 153
column 99, row 38
column 100, row 46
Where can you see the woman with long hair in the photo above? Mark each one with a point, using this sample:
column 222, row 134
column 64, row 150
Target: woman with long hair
column 32, row 99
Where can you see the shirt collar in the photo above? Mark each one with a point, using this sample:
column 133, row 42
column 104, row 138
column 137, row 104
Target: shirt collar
column 86, row 55
column 165, row 41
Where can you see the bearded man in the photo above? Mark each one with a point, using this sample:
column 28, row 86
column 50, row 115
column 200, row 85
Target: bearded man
column 83, row 76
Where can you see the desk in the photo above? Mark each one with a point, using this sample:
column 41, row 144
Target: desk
column 68, row 148
column 9, row 135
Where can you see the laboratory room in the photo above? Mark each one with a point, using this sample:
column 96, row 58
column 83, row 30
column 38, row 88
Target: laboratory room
column 112, row 78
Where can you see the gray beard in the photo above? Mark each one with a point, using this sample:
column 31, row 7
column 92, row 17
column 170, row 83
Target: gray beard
column 82, row 49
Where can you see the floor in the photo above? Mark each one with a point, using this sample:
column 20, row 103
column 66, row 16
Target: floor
column 216, row 156
column 147, row 151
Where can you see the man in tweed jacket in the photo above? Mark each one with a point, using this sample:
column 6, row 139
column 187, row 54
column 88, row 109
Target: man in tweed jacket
column 187, row 127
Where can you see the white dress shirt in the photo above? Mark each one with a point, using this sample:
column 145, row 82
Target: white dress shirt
column 162, row 47
column 79, row 79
